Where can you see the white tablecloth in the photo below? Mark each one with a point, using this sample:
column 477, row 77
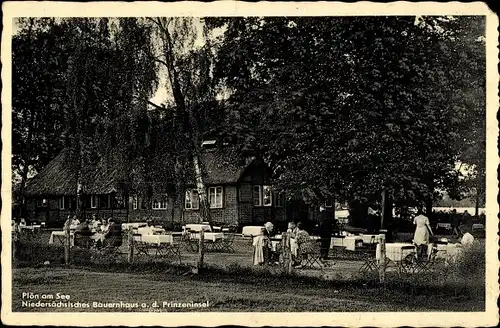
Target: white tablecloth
column 197, row 227
column 370, row 239
column 59, row 237
column 395, row 252
column 157, row 239
column 126, row 226
column 446, row 251
column 349, row 242
column 250, row 231
column 151, row 231
column 477, row 226
column 214, row 236
column 30, row 227
column 444, row 225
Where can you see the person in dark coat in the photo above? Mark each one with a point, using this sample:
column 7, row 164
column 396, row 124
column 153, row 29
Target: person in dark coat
column 113, row 234
column 82, row 234
column 325, row 232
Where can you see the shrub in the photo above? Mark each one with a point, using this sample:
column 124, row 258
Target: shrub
column 34, row 253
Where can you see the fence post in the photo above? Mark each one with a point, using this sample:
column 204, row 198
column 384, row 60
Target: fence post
column 287, row 251
column 201, row 250
column 67, row 242
column 130, row 246
column 381, row 260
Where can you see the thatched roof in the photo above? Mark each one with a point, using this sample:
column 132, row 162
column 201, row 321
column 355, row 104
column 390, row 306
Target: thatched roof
column 221, row 166
column 58, row 178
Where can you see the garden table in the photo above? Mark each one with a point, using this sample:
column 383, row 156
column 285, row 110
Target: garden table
column 349, row 242
column 127, row 226
column 477, row 226
column 396, row 252
column 60, row 237
column 213, row 236
column 250, row 231
column 443, row 225
column 197, row 227
column 157, row 239
column 370, row 239
column 151, row 231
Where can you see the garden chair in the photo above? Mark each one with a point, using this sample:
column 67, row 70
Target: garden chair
column 141, row 248
column 227, row 243
column 310, row 255
column 110, row 251
column 84, row 242
column 174, row 250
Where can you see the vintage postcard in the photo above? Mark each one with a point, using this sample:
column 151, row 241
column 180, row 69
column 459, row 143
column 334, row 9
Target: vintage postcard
column 230, row 163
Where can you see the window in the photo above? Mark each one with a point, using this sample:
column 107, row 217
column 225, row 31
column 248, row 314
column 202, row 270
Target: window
column 94, row 201
column 264, row 195
column 279, row 199
column 63, row 203
column 41, row 202
column 160, row 203
column 135, row 202
column 192, row 200
column 215, row 197
column 104, row 201
column 257, row 195
column 267, row 196
column 144, row 204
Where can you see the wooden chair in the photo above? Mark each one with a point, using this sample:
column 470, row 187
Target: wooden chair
column 227, row 243
column 140, row 247
column 310, row 255
column 110, row 251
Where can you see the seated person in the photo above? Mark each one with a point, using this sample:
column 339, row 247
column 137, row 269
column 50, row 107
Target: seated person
column 113, row 234
column 82, row 234
column 304, row 243
column 75, row 222
column 269, row 232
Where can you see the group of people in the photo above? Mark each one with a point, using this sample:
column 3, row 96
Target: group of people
column 423, row 232
column 111, row 233
column 300, row 240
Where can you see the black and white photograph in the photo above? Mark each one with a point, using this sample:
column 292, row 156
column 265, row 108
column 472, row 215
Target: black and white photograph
column 159, row 163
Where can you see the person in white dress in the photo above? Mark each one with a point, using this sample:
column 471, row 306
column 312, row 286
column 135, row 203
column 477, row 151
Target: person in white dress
column 422, row 232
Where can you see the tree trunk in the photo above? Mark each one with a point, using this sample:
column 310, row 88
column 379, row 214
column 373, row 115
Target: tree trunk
column 477, row 202
column 202, row 192
column 185, row 123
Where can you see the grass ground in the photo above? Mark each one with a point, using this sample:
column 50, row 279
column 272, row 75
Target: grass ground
column 227, row 293
column 236, row 288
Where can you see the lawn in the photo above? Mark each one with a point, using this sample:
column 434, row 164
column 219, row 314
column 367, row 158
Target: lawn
column 227, row 293
column 232, row 283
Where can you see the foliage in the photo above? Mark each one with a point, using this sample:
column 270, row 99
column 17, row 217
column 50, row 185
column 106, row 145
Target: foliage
column 349, row 105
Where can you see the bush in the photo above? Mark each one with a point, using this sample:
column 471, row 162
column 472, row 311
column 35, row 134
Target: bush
column 35, row 253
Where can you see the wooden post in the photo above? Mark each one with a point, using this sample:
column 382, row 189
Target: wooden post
column 201, row 249
column 67, row 242
column 383, row 209
column 130, row 246
column 381, row 260
column 288, row 253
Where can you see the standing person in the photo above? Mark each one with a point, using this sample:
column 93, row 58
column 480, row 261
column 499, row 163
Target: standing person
column 422, row 231
column 467, row 219
column 113, row 234
column 455, row 223
column 325, row 232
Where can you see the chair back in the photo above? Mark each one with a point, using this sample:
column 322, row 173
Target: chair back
column 114, row 241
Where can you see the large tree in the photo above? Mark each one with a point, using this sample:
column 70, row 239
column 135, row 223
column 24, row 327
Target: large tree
column 39, row 54
column 347, row 105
